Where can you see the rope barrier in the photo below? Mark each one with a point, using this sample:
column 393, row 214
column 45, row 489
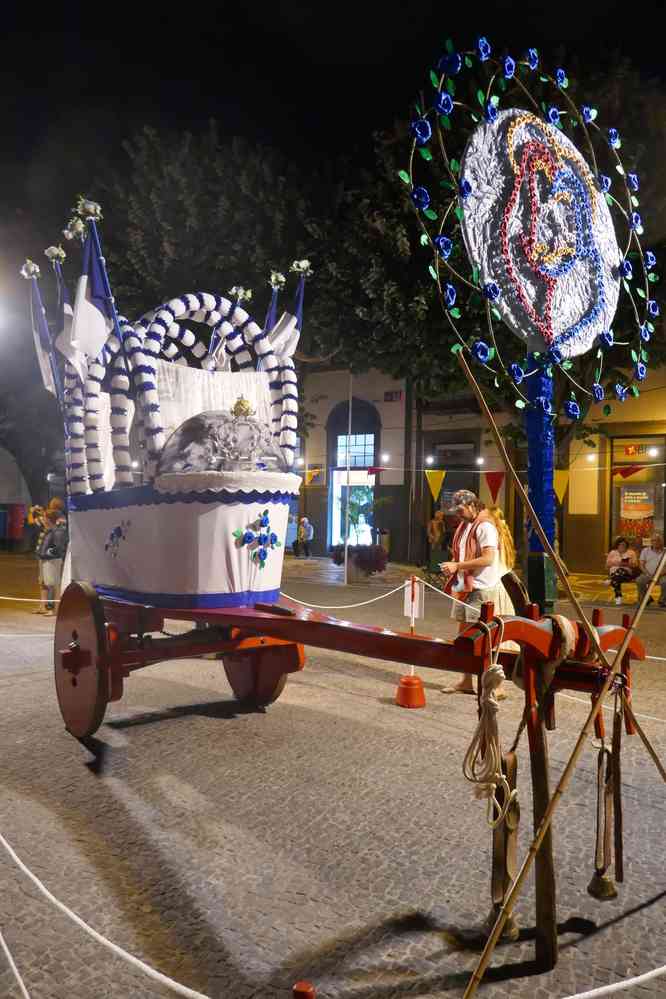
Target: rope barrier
column 447, row 596
column 626, row 983
column 608, row 707
column 344, row 606
column 34, row 634
column 157, row 976
column 12, row 965
column 30, row 600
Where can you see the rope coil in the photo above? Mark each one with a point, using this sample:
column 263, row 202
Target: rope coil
column 482, row 763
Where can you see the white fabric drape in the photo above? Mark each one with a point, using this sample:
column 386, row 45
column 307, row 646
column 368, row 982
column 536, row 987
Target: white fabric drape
column 185, row 392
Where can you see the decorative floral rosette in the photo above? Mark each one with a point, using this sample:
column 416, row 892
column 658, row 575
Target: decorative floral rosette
column 534, row 227
column 258, row 538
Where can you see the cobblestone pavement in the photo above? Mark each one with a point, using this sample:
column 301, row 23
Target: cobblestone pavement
column 331, row 837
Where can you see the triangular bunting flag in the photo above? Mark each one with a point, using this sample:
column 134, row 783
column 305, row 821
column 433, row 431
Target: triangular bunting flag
column 311, row 475
column 625, row 471
column 435, row 478
column 560, row 483
column 494, row 480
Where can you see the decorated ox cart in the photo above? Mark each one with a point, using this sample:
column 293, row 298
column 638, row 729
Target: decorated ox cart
column 179, row 448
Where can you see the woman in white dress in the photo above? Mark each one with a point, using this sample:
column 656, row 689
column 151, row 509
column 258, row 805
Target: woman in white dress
column 506, row 556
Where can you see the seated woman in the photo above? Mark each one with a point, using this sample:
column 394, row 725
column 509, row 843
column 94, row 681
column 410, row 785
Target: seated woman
column 622, row 563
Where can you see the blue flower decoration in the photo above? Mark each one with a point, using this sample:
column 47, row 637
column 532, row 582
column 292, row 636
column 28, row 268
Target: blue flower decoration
column 572, row 409
column 509, row 68
column 598, row 392
column 490, row 112
column 606, row 338
column 449, row 295
column 542, row 403
column 614, row 138
column 649, row 259
column 635, row 221
column 653, row 307
column 553, row 115
column 640, row 371
column 465, row 188
column 621, row 392
column 587, row 114
column 451, row 64
column 561, row 78
column 645, row 333
column 632, row 181
column 421, row 131
column 443, row 103
column 626, row 270
column 444, row 246
column 483, row 48
column 604, row 183
column 259, row 542
column 517, row 373
column 533, row 58
column 555, row 355
column 421, row 197
column 492, row 291
column 481, row 351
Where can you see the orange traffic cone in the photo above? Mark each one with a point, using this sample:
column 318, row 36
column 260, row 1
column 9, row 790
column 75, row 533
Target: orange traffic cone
column 410, row 692
column 304, row 990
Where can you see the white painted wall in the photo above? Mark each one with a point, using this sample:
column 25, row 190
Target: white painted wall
column 325, row 390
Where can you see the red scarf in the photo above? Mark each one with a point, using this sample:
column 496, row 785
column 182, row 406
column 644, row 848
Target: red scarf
column 472, row 547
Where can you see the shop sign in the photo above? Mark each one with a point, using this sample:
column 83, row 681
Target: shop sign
column 631, row 450
column 636, row 503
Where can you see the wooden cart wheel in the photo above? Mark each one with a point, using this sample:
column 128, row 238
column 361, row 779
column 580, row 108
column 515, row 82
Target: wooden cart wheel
column 81, row 676
column 256, row 680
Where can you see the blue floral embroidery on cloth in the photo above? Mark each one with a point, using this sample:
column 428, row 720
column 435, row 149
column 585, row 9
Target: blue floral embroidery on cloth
column 117, row 535
column 259, row 538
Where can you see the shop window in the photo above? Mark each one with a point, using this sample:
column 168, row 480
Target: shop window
column 638, row 488
column 361, row 450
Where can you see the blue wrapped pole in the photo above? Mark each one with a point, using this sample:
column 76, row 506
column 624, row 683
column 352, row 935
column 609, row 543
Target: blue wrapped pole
column 540, row 432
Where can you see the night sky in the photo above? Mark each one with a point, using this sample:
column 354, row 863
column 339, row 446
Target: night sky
column 312, row 78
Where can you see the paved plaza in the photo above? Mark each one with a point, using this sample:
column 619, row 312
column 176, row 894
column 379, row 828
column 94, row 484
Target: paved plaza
column 331, row 837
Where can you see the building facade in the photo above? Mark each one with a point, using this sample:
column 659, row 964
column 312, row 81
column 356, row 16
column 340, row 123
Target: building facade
column 613, row 483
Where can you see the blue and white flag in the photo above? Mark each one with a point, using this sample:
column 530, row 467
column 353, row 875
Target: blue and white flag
column 93, row 312
column 42, row 338
column 64, row 340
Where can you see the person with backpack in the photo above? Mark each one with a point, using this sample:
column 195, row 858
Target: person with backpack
column 51, row 553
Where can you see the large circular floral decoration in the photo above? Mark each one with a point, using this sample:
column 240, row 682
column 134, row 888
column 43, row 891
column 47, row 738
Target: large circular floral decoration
column 533, row 225
column 536, row 224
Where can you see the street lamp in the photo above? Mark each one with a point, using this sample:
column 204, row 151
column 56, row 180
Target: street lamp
column 135, row 464
column 386, row 457
column 480, row 460
column 429, row 460
column 653, row 452
column 589, row 457
column 300, row 462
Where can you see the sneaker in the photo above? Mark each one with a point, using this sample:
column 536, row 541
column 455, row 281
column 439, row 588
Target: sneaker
column 618, row 601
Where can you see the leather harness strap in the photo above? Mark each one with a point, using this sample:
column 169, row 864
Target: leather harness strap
column 505, row 838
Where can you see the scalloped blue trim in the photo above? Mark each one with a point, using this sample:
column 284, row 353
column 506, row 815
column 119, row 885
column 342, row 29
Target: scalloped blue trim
column 117, row 499
column 190, row 601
